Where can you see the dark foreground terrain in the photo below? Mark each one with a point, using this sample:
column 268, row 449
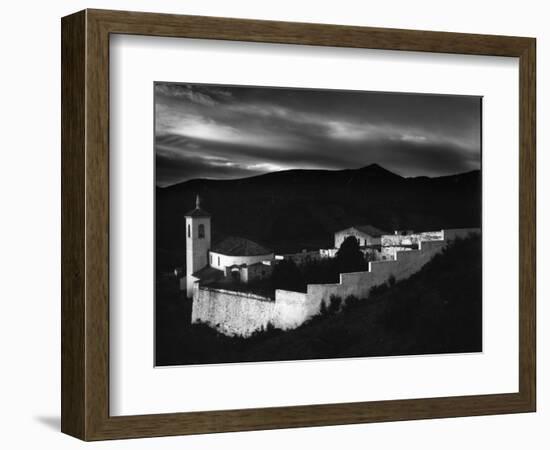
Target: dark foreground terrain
column 437, row 310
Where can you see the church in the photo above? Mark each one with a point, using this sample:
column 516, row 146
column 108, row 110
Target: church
column 235, row 258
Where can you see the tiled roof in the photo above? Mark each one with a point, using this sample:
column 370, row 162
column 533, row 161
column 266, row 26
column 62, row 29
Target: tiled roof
column 370, row 230
column 238, row 246
column 367, row 229
column 208, row 273
column 197, row 212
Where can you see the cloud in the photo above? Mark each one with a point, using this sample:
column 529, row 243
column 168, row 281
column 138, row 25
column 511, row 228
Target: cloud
column 172, row 170
column 209, row 130
column 196, row 94
column 231, row 132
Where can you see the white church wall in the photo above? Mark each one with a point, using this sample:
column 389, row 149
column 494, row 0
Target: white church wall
column 189, row 284
column 241, row 313
column 197, row 246
column 220, row 261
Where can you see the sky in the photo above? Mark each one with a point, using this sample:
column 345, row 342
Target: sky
column 225, row 132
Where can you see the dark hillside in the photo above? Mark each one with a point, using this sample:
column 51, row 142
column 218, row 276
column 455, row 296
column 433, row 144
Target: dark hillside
column 297, row 209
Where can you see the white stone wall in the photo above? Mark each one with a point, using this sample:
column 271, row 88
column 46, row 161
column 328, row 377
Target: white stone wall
column 239, row 313
column 232, row 313
column 359, row 284
column 290, row 309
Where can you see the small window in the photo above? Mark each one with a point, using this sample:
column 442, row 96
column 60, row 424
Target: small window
column 218, row 261
column 211, row 259
column 201, row 231
column 188, row 230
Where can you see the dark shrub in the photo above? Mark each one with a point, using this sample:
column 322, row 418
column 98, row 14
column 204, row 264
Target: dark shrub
column 351, row 302
column 286, row 275
column 377, row 290
column 349, row 257
column 335, row 304
column 320, row 271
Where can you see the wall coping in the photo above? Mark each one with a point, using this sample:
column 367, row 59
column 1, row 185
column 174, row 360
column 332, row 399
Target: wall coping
column 238, row 293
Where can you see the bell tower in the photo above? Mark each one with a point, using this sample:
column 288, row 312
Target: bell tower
column 197, row 240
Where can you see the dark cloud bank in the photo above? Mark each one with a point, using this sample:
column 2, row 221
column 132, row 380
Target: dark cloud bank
column 211, row 131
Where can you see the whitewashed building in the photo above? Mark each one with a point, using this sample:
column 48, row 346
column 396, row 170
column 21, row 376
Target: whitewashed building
column 240, row 258
column 366, row 235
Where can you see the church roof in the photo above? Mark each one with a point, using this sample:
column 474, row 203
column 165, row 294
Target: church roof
column 238, row 246
column 367, row 229
column 198, row 211
column 370, row 230
column 208, row 273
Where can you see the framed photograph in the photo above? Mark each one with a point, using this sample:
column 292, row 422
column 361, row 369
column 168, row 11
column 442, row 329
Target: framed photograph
column 273, row 225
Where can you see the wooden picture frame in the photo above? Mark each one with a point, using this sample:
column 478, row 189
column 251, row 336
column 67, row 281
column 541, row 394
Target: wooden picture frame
column 85, row 224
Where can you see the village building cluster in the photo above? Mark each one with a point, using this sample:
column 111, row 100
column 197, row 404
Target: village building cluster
column 398, row 254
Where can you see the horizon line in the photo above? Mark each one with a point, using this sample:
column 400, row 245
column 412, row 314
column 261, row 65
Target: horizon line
column 323, row 170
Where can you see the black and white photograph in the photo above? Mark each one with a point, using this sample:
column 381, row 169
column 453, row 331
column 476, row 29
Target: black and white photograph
column 303, row 224
column 275, row 225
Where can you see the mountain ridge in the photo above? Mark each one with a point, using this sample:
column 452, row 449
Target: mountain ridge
column 372, row 169
column 297, row 209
